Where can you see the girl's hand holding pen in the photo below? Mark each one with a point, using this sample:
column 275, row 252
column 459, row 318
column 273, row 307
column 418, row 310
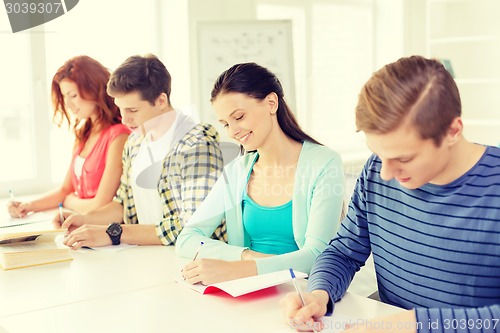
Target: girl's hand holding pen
column 207, row 271
column 18, row 209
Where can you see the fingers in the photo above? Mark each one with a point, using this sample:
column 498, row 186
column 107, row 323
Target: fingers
column 311, row 310
column 191, row 273
column 78, row 245
column 73, row 239
column 17, row 209
column 301, row 317
column 290, row 305
column 12, row 208
column 308, row 326
column 56, row 221
column 71, row 220
column 87, row 235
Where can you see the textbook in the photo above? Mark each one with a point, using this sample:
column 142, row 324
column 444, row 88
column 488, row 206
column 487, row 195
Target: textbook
column 23, row 248
column 246, row 285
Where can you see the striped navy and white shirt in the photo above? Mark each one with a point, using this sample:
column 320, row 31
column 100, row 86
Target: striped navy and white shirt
column 435, row 248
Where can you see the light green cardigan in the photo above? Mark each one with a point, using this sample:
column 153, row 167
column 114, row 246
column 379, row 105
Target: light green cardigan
column 316, row 207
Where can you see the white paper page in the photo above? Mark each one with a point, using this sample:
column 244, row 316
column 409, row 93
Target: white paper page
column 246, row 285
column 336, row 323
column 7, row 222
column 110, row 248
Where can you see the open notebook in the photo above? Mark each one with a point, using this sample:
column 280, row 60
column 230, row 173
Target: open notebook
column 246, row 285
column 42, row 218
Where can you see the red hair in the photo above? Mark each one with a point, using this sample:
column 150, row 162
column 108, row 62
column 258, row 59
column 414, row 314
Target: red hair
column 91, row 78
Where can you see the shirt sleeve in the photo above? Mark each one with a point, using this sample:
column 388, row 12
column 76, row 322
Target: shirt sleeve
column 196, row 170
column 459, row 320
column 121, row 192
column 211, row 214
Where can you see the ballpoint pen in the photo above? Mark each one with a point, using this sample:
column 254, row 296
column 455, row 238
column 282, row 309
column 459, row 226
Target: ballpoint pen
column 196, row 255
column 11, row 195
column 61, row 215
column 297, row 288
column 198, row 251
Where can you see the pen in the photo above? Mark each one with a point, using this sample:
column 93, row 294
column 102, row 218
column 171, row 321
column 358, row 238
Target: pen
column 61, row 216
column 11, row 194
column 195, row 256
column 297, row 288
column 198, row 252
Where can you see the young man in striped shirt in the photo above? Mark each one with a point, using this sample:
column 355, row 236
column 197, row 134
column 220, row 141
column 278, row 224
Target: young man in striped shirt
column 426, row 205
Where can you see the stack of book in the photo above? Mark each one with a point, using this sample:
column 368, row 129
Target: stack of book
column 30, row 241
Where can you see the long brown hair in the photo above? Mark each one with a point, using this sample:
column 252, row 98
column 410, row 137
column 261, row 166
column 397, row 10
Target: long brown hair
column 91, row 78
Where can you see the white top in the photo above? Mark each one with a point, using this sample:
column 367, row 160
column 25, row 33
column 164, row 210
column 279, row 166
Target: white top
column 78, row 166
column 146, row 174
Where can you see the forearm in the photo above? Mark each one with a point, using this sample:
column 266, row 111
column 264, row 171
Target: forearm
column 301, row 260
column 48, row 200
column 248, row 254
column 140, row 234
column 244, row 268
column 332, row 273
column 83, row 205
column 110, row 213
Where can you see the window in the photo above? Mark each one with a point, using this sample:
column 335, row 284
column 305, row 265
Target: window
column 16, row 128
column 37, row 153
column 24, row 159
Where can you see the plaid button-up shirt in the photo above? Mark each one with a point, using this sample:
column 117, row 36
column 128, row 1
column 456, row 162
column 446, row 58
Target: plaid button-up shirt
column 189, row 171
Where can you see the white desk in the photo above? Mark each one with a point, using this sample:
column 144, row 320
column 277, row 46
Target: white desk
column 91, row 274
column 134, row 291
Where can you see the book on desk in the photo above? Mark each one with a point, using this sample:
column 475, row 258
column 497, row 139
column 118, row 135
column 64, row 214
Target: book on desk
column 30, row 244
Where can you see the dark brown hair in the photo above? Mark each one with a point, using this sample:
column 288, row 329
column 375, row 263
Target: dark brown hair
column 258, row 82
column 146, row 75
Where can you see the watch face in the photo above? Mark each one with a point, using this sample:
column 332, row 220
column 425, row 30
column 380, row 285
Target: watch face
column 114, row 229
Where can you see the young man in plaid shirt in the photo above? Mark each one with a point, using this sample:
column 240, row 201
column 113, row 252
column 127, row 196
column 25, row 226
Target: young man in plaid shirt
column 170, row 163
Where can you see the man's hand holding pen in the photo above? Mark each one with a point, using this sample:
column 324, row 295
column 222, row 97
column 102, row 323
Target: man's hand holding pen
column 301, row 317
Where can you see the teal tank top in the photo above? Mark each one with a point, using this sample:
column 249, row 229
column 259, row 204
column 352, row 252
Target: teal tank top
column 269, row 228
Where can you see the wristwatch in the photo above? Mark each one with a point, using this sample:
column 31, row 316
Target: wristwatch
column 114, row 232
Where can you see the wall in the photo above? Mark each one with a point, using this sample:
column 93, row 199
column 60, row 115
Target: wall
column 389, row 44
column 214, row 10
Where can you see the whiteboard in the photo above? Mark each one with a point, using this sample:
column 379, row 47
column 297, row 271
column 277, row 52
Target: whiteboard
column 222, row 44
